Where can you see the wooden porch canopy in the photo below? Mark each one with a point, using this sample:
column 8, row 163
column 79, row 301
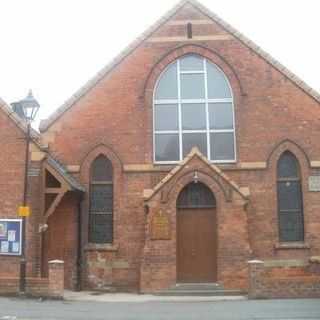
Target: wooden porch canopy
column 56, row 183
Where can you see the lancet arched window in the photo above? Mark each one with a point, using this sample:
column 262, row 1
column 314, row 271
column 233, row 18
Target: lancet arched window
column 101, row 201
column 193, row 106
column 290, row 204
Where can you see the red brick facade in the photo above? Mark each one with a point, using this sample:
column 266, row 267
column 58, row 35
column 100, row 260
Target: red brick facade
column 114, row 116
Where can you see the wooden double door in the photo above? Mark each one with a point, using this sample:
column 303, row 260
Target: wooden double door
column 196, row 235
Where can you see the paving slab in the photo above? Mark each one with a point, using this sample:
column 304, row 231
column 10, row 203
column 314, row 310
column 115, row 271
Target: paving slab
column 32, row 309
column 132, row 297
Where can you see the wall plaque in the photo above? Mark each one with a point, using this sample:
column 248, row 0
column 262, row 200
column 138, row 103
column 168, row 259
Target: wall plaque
column 160, row 227
column 314, row 183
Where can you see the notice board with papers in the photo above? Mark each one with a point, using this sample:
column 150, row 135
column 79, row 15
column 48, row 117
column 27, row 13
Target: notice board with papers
column 10, row 237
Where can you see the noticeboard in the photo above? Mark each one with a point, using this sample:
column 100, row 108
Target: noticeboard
column 10, row 237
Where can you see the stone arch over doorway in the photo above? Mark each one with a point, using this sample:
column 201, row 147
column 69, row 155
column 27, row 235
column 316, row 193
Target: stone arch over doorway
column 159, row 254
column 196, row 234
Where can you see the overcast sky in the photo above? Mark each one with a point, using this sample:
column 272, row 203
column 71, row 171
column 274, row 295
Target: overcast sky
column 55, row 46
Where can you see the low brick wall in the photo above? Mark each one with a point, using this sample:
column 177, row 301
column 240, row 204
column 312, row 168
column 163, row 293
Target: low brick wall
column 51, row 287
column 284, row 279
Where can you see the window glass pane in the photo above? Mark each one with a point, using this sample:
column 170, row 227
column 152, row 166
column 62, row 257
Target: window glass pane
column 191, row 63
column 194, row 140
column 221, row 115
column 291, row 226
column 218, row 87
column 196, row 195
column 166, row 117
column 101, row 199
column 289, row 195
column 101, row 228
column 222, row 146
column 192, row 86
column 101, row 169
column 288, row 166
column 166, row 147
column 193, row 116
column 168, row 85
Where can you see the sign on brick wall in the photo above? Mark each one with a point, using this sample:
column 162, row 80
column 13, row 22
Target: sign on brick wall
column 160, row 227
column 10, row 237
column 314, row 183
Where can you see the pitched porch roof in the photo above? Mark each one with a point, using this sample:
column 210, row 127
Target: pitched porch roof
column 149, row 193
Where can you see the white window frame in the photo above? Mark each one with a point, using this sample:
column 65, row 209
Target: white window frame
column 205, row 101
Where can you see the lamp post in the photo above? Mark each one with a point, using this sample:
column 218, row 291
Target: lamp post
column 29, row 107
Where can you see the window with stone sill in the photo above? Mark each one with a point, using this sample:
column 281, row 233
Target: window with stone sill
column 193, row 106
column 290, row 204
column 101, row 201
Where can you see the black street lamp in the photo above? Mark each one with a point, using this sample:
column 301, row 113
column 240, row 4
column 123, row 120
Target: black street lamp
column 28, row 108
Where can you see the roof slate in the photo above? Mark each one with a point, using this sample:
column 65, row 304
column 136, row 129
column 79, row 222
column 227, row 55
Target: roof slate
column 60, row 168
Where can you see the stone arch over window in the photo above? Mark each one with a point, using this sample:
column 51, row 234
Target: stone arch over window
column 193, row 105
column 85, row 177
column 290, row 200
column 288, row 145
column 101, row 201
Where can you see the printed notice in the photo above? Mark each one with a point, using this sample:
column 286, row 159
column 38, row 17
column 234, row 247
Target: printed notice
column 11, row 235
column 15, row 247
column 3, row 229
column 4, row 246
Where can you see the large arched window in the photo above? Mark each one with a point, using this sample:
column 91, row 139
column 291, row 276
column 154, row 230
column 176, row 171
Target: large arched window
column 193, row 106
column 290, row 205
column 101, row 201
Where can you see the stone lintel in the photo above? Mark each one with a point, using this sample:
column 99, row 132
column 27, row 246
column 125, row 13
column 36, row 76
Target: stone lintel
column 73, row 168
column 252, row 165
column 315, row 164
column 285, row 263
column 167, row 168
column 37, row 155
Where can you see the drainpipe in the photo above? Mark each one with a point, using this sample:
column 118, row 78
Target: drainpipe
column 79, row 245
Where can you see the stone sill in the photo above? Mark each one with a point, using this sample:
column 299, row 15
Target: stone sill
column 293, row 245
column 101, row 247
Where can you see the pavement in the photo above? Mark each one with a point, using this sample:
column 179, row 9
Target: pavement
column 132, row 297
column 131, row 307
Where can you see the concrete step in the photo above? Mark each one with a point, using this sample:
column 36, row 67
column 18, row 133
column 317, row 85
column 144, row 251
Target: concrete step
column 199, row 289
column 196, row 286
column 200, row 293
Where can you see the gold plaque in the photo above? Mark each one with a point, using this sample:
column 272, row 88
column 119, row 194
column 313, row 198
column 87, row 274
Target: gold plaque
column 160, row 227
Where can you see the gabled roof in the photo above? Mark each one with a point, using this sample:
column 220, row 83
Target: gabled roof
column 55, row 164
column 62, row 171
column 243, row 192
column 45, row 124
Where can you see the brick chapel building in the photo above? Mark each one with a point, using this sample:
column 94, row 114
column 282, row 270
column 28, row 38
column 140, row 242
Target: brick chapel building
column 190, row 154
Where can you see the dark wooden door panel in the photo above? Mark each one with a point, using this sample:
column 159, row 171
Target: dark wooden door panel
column 196, row 245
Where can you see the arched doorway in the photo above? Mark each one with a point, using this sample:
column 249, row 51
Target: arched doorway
column 196, row 235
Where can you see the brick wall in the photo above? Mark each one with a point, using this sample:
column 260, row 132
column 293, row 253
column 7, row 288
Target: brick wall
column 284, row 279
column 12, row 164
column 52, row 287
column 60, row 240
column 115, row 118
